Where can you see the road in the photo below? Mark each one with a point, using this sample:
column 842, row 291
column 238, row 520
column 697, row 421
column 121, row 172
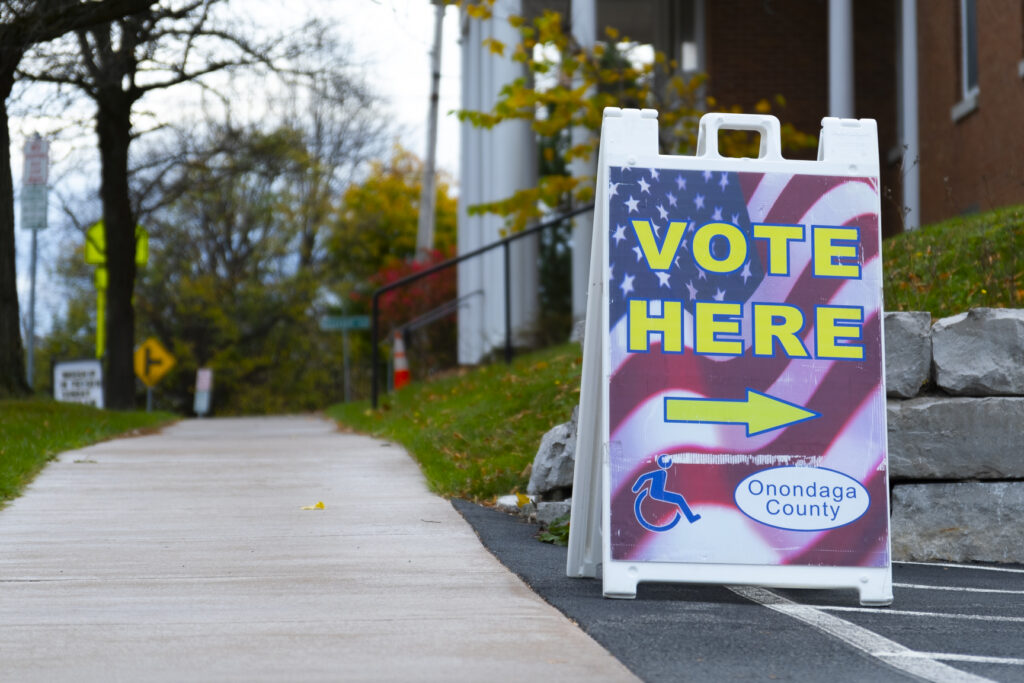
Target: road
column 950, row 623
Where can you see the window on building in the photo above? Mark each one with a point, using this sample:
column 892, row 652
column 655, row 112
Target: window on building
column 968, row 40
column 1020, row 64
column 969, row 47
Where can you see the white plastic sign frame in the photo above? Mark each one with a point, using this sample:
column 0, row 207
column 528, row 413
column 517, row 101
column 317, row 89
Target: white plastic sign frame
column 732, row 425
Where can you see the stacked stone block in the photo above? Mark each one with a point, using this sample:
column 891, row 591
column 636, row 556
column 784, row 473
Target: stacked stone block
column 956, row 435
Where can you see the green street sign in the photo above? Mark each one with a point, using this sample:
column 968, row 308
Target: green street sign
column 333, row 323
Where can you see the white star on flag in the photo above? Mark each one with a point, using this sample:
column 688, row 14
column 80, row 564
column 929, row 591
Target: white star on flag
column 723, row 182
column 613, row 189
column 645, row 186
column 671, row 199
column 698, row 201
column 692, row 290
column 719, row 295
column 654, row 174
column 627, row 284
column 746, row 272
column 707, row 176
column 631, row 203
column 639, row 253
column 717, row 215
column 662, row 212
column 620, row 233
column 680, row 182
column 663, row 279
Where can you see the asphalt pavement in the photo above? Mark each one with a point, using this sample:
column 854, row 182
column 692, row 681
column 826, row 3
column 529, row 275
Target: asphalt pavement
column 947, row 622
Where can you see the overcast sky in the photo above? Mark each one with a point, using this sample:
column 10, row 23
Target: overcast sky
column 391, row 38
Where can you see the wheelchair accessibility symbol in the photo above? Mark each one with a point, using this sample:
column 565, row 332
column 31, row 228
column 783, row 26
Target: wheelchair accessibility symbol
column 653, row 484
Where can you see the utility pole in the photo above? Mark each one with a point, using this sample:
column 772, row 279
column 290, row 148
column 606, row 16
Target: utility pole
column 428, row 195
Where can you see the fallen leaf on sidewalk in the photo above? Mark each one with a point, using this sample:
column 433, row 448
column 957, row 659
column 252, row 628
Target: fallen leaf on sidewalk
column 319, row 506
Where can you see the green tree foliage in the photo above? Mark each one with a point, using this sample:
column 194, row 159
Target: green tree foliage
column 377, row 224
column 116, row 64
column 568, row 87
column 226, row 286
column 245, row 259
column 373, row 243
column 23, row 24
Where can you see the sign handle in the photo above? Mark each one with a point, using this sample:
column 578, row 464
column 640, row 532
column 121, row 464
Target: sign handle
column 765, row 124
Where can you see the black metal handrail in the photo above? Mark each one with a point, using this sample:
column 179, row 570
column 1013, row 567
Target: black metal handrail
column 502, row 243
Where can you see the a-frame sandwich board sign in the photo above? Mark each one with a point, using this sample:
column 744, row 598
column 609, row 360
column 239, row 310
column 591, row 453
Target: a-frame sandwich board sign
column 732, row 425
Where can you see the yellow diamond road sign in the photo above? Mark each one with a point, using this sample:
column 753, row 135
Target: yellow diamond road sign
column 152, row 361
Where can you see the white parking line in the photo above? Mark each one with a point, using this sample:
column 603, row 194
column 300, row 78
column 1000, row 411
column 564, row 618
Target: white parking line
column 964, row 589
column 865, row 640
column 978, row 659
column 965, row 566
column 914, row 613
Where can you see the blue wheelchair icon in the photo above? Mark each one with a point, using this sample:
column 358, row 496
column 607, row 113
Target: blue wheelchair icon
column 653, row 484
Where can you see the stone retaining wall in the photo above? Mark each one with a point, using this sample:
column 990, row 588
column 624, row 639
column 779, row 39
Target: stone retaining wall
column 956, row 438
column 956, row 435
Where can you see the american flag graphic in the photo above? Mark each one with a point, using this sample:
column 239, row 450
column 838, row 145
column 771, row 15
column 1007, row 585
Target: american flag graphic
column 709, row 459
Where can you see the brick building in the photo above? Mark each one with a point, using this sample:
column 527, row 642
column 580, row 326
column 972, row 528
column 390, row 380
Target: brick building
column 944, row 79
column 970, row 88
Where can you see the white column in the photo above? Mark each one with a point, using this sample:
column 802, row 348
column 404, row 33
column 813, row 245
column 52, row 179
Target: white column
column 584, row 30
column 908, row 115
column 840, row 58
column 470, row 273
column 494, row 164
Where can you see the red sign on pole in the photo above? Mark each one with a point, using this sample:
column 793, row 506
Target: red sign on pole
column 37, row 161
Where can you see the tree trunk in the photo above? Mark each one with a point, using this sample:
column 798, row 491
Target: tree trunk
column 113, row 125
column 12, row 359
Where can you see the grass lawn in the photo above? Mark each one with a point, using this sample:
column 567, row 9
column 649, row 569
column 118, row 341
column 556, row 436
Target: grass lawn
column 966, row 262
column 476, row 432
column 32, row 432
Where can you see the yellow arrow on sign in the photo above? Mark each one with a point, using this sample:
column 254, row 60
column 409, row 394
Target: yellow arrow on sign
column 759, row 412
column 152, row 361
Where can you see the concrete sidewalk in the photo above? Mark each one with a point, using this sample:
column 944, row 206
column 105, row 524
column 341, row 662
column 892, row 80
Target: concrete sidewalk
column 186, row 556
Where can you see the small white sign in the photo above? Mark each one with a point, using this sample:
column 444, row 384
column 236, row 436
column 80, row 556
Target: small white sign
column 79, row 381
column 33, row 207
column 204, row 387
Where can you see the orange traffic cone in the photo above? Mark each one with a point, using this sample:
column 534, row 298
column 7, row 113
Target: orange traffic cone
column 401, row 364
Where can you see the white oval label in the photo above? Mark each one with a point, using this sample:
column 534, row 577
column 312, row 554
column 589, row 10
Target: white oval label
column 802, row 498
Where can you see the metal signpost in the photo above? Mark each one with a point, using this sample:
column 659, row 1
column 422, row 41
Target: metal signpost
column 33, row 217
column 732, row 408
column 344, row 323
